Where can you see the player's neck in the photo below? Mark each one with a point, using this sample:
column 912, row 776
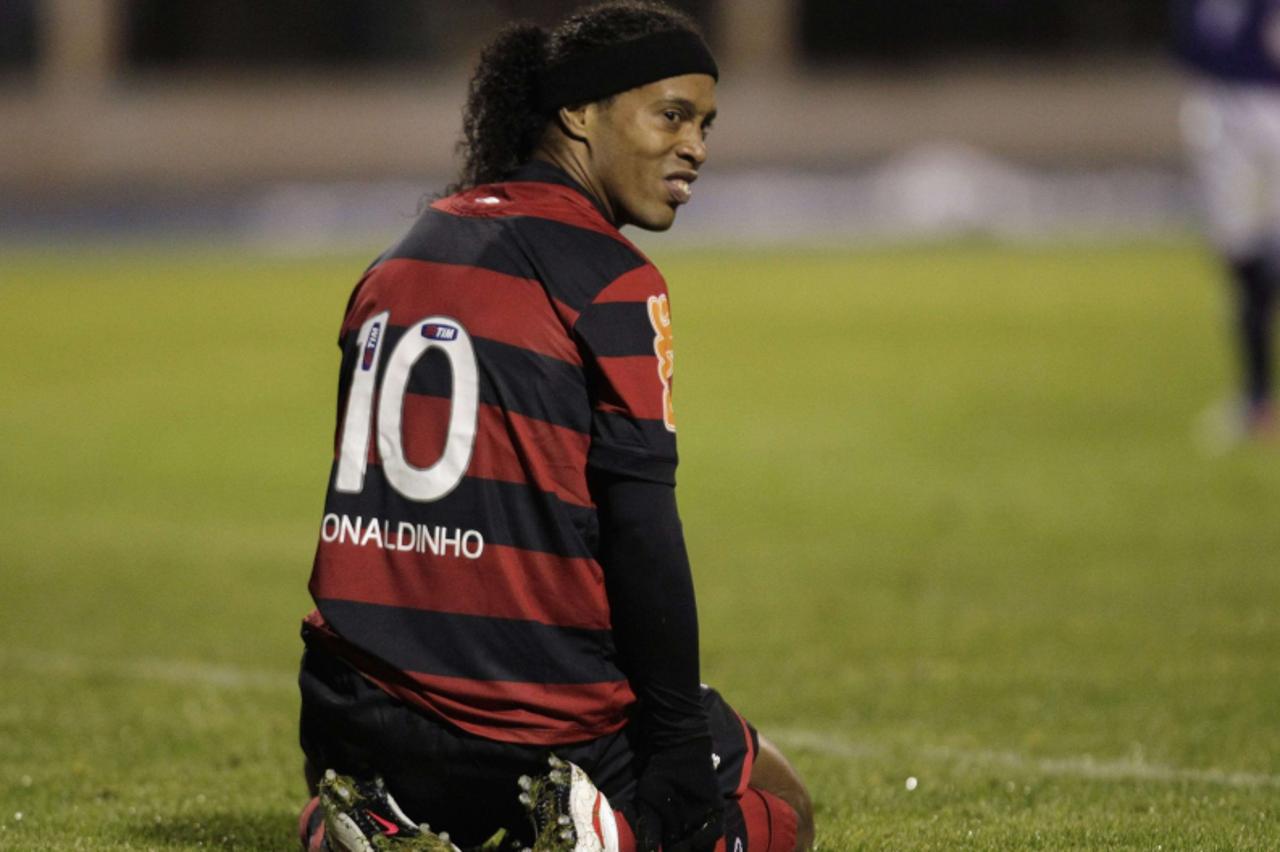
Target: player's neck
column 573, row 163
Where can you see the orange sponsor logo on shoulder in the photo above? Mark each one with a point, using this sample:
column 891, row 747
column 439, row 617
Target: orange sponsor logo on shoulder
column 660, row 317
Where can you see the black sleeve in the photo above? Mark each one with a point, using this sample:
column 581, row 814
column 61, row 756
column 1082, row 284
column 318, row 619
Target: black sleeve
column 655, row 626
column 650, row 590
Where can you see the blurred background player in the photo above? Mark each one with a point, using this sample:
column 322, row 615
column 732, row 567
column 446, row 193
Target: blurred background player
column 1231, row 122
column 501, row 571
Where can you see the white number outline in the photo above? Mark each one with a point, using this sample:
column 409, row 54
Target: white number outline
column 421, row 484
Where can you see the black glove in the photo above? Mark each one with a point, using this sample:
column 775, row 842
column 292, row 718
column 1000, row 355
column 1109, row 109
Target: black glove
column 678, row 802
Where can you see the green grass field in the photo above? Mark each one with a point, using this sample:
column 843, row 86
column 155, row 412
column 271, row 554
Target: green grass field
column 947, row 517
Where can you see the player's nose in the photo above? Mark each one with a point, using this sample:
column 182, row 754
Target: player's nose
column 693, row 148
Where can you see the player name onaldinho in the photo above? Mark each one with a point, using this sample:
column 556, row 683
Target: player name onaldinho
column 403, row 536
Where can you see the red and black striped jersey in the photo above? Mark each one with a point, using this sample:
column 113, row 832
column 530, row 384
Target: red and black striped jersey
column 512, row 340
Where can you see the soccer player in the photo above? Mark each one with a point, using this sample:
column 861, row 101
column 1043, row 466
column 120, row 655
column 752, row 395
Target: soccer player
column 1232, row 125
column 501, row 574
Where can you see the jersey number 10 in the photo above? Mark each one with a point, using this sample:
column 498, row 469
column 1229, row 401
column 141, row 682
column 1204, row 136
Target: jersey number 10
column 416, row 483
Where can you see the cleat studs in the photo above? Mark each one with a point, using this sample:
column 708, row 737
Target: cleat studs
column 564, row 819
column 329, row 775
column 525, row 782
column 526, row 799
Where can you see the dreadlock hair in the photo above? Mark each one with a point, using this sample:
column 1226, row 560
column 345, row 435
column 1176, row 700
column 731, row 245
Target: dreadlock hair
column 501, row 123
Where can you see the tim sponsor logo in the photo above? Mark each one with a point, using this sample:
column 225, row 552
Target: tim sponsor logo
column 439, row 331
column 371, row 346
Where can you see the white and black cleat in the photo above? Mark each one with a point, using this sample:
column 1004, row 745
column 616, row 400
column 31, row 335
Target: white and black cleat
column 568, row 813
column 362, row 816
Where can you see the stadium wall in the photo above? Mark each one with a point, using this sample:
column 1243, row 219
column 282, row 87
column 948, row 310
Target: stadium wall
column 205, row 133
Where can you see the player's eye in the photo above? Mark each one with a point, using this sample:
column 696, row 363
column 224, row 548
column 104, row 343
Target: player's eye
column 672, row 116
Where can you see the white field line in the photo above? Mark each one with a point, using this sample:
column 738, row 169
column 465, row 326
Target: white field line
column 148, row 669
column 1085, row 766
column 825, row 743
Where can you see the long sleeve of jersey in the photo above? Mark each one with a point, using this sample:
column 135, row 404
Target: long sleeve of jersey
column 624, row 337
column 650, row 589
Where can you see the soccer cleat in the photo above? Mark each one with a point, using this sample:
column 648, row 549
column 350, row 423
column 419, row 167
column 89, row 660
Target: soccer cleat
column 568, row 813
column 361, row 816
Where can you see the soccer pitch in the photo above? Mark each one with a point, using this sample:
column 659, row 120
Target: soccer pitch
column 948, row 519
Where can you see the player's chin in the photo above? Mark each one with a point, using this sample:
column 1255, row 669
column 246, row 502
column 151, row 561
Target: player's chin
column 658, row 219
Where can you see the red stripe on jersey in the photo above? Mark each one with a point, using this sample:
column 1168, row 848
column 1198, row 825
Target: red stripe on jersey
column 508, row 711
column 567, row 314
column 554, row 456
column 515, row 311
column 634, row 286
column 632, row 387
column 503, row 582
column 351, row 318
column 544, row 714
column 424, row 424
column 509, row 447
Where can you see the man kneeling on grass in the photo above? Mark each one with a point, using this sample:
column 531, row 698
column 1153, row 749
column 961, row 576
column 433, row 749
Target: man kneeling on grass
column 501, row 580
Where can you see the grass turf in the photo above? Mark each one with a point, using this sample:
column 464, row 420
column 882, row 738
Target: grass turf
column 946, row 511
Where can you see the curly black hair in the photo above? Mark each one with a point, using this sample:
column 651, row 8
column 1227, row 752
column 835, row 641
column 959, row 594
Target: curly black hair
column 501, row 123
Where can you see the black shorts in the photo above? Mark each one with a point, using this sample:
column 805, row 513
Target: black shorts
column 462, row 783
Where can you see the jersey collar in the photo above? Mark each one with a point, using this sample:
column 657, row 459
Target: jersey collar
column 540, row 171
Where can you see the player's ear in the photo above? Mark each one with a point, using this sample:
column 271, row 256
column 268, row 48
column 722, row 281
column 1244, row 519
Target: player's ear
column 576, row 121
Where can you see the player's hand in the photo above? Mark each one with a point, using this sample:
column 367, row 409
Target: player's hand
column 678, row 801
